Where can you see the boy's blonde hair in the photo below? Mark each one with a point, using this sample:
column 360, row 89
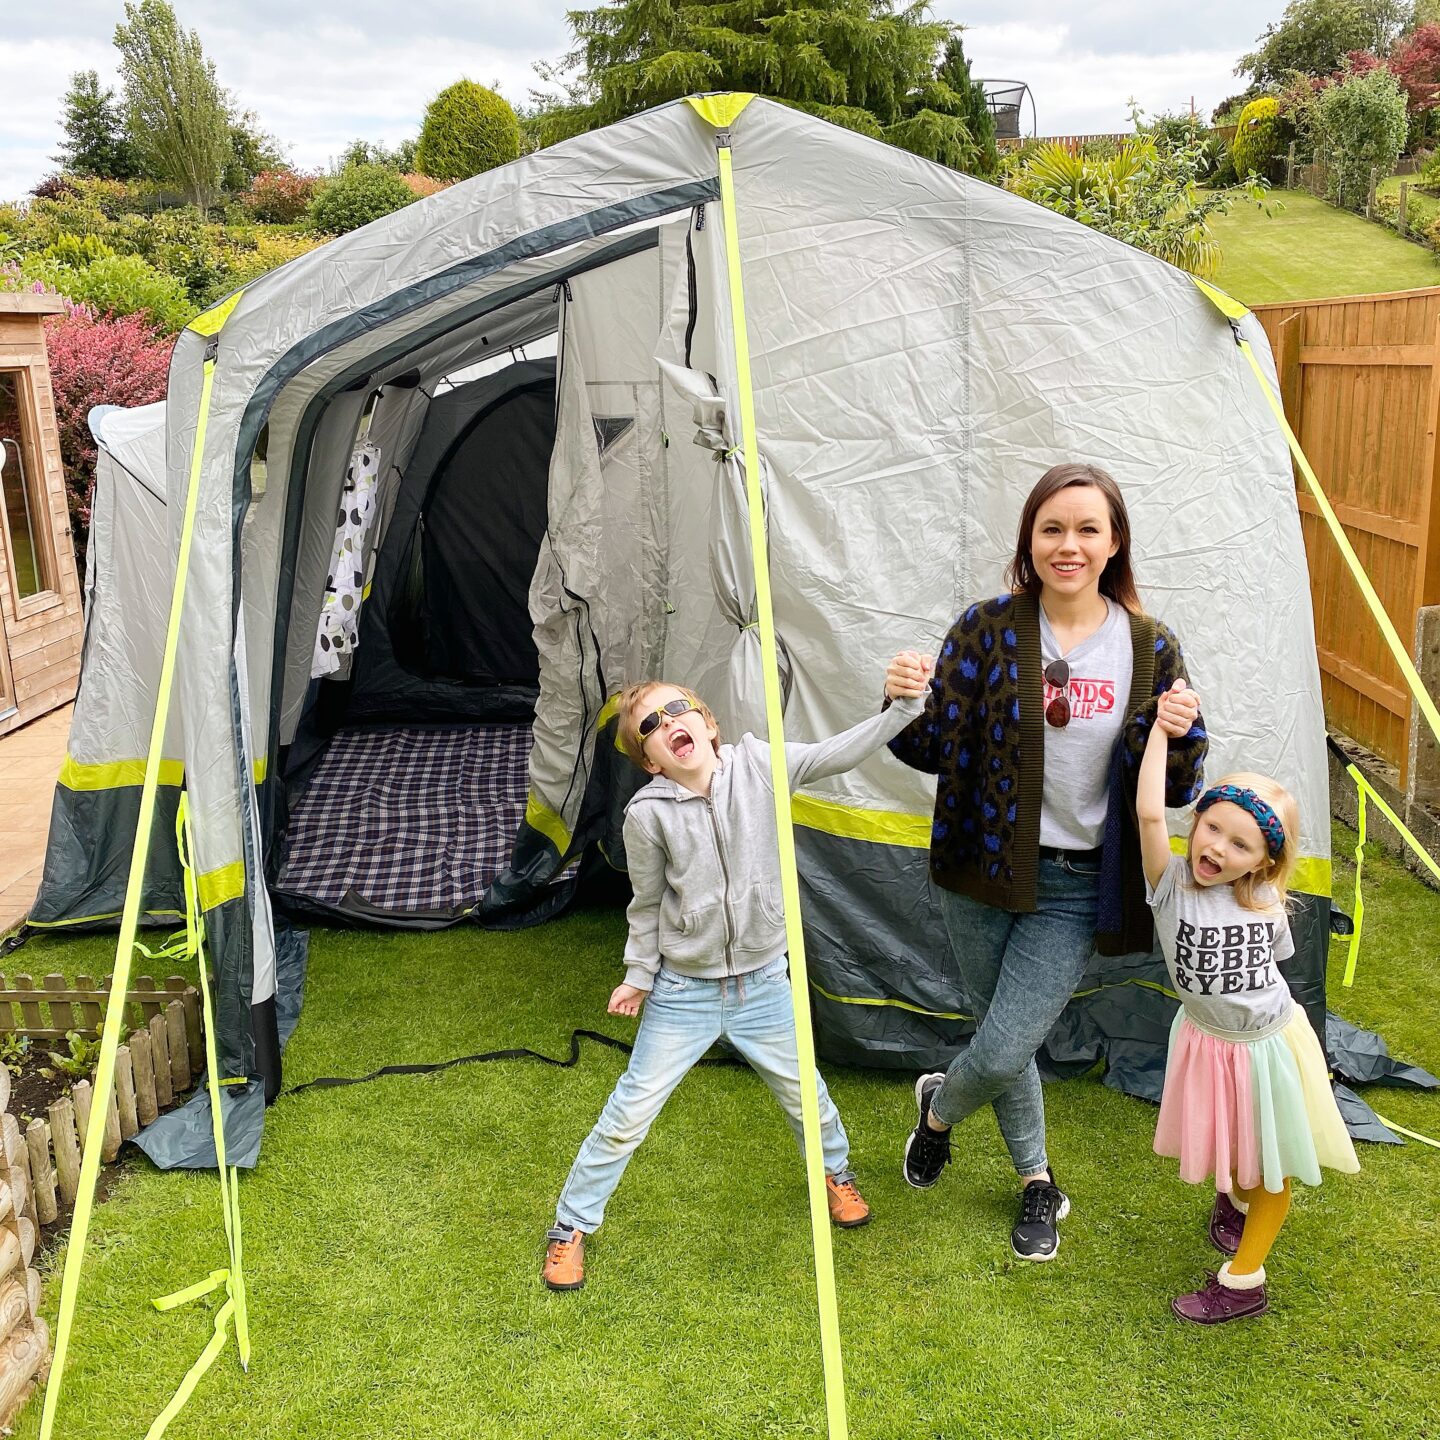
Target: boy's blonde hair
column 1277, row 869
column 632, row 709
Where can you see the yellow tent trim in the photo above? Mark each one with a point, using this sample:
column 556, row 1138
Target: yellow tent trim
column 212, row 321
column 1227, row 305
column 117, row 774
column 225, row 883
column 539, row 816
column 719, row 110
column 852, row 822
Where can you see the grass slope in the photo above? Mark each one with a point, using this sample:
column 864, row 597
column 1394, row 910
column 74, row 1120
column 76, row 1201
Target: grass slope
column 394, row 1234
column 1308, row 250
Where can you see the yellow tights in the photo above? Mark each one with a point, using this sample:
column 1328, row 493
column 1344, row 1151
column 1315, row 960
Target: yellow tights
column 1264, row 1215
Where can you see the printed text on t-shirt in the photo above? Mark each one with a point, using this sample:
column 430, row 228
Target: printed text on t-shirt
column 1088, row 698
column 1224, row 959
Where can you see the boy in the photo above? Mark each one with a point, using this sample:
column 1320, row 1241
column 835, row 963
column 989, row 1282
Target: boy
column 706, row 947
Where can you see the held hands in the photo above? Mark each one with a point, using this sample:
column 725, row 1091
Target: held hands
column 1177, row 709
column 907, row 675
column 626, row 1000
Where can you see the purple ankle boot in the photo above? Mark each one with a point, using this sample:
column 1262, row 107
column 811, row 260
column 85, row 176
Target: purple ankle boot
column 1223, row 1297
column 1227, row 1225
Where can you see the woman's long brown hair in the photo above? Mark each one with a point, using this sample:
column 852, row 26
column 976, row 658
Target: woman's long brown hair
column 1118, row 579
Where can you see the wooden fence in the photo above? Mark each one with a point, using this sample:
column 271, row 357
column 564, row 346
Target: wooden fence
column 52, row 1008
column 24, row 1336
column 1360, row 379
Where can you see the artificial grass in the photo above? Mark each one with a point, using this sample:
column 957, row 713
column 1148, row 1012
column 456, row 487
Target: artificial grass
column 394, row 1234
column 1308, row 250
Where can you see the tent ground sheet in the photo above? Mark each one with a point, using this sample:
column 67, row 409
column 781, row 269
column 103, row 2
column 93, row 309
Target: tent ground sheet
column 409, row 820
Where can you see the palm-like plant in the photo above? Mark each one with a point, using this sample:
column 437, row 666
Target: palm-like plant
column 1144, row 194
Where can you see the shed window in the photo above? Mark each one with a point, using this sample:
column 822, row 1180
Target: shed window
column 22, row 485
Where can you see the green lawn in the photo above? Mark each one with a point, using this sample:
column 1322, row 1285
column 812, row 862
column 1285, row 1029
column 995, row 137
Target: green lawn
column 394, row 1234
column 1307, row 250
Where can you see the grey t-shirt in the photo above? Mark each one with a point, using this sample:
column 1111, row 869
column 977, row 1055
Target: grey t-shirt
column 1077, row 758
column 1224, row 960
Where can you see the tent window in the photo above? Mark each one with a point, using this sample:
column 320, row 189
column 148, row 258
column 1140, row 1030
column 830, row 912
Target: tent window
column 610, row 429
column 22, row 485
column 259, row 468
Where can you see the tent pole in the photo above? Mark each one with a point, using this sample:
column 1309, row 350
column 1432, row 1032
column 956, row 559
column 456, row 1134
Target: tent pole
column 721, row 112
column 207, row 325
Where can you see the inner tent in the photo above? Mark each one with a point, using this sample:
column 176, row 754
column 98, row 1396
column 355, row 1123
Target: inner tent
column 474, row 476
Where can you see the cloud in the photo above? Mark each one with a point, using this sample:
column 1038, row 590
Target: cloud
column 1079, row 91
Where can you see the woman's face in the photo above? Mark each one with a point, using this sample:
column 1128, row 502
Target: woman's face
column 1072, row 541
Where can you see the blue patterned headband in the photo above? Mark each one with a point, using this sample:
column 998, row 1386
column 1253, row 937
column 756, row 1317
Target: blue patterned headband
column 1254, row 806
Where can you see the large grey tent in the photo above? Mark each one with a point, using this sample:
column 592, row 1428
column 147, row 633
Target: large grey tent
column 922, row 346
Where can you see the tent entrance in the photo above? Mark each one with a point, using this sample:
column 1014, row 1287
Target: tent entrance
column 408, row 778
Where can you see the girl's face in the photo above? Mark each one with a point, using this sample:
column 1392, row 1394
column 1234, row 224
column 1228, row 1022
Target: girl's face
column 1226, row 845
column 1072, row 541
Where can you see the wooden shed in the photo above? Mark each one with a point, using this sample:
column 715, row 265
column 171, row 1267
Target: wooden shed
column 41, row 621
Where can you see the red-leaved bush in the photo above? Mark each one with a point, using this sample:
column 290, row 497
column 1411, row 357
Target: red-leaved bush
column 98, row 360
column 279, row 197
column 1416, row 65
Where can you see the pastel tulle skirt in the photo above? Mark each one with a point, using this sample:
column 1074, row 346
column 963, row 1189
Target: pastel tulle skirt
column 1251, row 1111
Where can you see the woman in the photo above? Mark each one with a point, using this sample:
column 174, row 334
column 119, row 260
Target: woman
column 1038, row 714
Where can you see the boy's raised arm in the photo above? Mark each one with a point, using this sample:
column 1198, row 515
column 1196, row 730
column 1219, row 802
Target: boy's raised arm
column 819, row 760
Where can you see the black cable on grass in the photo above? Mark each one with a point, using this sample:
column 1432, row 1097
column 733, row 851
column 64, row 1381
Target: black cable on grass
column 335, row 1082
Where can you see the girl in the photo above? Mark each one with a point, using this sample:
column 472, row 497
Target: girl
column 1247, row 1091
column 1035, row 723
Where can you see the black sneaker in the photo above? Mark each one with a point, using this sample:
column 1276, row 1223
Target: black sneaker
column 1043, row 1205
column 927, row 1151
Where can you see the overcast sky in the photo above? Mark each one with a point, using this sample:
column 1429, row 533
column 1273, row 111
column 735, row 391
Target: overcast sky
column 319, row 73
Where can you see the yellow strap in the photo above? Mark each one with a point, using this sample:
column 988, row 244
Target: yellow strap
column 213, row 1281
column 125, row 942
column 1358, row 916
column 780, row 783
column 1401, row 1130
column 196, row 1371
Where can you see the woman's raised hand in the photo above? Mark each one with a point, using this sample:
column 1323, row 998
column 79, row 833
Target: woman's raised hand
column 907, row 674
column 1177, row 709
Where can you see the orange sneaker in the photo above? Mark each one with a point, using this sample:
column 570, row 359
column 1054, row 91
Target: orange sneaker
column 565, row 1259
column 847, row 1205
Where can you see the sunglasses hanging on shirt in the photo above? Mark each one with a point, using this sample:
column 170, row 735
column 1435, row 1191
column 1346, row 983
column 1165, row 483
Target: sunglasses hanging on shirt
column 1057, row 677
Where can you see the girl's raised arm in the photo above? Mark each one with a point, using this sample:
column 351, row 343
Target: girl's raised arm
column 1150, row 806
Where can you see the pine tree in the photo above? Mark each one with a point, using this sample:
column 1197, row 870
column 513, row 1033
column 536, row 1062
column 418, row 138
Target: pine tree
column 177, row 113
column 863, row 64
column 95, row 140
column 954, row 71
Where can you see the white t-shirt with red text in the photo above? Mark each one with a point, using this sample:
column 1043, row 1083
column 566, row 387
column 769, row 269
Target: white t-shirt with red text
column 1077, row 757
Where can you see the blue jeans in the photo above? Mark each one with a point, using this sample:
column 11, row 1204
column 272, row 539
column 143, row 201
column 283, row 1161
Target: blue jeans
column 682, row 1019
column 1018, row 971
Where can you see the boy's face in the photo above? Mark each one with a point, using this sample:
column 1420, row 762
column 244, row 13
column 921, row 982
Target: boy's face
column 681, row 747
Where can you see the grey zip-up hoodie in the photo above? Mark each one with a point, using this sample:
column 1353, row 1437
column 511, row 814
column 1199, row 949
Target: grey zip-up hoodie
column 706, row 869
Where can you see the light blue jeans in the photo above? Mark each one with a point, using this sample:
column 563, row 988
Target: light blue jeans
column 1018, row 971
column 682, row 1019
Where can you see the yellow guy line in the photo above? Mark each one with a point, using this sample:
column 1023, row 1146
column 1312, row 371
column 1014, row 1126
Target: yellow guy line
column 721, row 111
column 1234, row 312
column 120, row 980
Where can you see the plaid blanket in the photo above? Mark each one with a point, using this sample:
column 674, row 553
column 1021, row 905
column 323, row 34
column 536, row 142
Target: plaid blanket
column 409, row 819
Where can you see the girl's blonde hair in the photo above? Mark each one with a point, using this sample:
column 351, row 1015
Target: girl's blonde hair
column 632, row 709
column 1277, row 869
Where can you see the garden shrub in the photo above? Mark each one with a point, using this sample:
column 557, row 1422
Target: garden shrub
column 1359, row 127
column 97, row 360
column 118, row 285
column 467, row 130
column 1258, row 137
column 278, row 197
column 183, row 245
column 76, row 251
column 424, row 185
column 269, row 253
column 1428, row 177
column 357, row 196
